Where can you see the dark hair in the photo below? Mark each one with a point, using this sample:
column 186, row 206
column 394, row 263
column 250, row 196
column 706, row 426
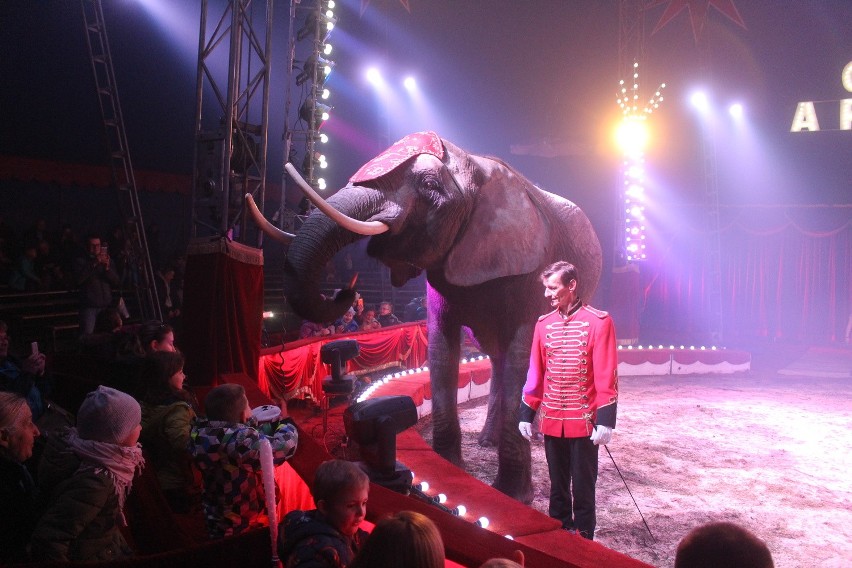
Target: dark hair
column 407, row 539
column 566, row 270
column 224, row 403
column 335, row 476
column 158, row 367
column 153, row 330
column 722, row 544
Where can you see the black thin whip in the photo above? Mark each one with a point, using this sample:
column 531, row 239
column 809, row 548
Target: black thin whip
column 629, row 492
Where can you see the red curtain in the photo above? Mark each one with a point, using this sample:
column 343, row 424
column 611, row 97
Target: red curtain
column 295, row 369
column 786, row 273
column 222, row 310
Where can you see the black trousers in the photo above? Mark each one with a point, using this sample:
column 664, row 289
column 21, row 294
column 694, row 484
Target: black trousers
column 573, row 467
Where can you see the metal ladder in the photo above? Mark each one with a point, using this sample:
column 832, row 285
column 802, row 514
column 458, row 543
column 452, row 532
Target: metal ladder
column 119, row 156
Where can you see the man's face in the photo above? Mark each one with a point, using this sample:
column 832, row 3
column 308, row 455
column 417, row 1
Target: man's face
column 93, row 246
column 384, row 310
column 347, row 511
column 559, row 295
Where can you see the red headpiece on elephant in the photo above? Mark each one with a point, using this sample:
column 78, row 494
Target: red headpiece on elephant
column 403, row 150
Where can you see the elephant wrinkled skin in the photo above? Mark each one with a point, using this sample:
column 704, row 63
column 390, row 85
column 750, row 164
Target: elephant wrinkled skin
column 482, row 233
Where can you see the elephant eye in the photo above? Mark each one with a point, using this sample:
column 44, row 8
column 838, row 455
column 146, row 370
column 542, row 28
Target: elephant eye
column 432, row 185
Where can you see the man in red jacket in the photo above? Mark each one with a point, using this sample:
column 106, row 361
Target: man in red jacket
column 573, row 381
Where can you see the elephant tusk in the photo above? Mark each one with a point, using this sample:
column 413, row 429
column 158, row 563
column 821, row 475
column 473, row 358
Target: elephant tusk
column 366, row 228
column 265, row 226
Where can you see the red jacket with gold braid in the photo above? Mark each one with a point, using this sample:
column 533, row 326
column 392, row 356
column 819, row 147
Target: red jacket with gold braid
column 573, row 374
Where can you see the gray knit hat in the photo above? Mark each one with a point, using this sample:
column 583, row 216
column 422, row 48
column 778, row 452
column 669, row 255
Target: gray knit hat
column 108, row 415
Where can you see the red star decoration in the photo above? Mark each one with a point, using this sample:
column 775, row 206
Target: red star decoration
column 697, row 13
column 365, row 3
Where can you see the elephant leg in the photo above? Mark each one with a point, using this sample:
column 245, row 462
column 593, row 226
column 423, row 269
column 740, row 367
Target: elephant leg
column 491, row 431
column 444, row 351
column 514, row 469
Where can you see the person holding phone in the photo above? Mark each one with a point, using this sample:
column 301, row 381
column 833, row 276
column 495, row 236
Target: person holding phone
column 95, row 278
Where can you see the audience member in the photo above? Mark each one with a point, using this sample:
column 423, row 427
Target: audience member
column 518, row 561
column 18, row 491
column 48, row 268
column 370, row 322
column 95, row 277
column 107, row 338
column 358, row 306
column 155, row 335
column 314, row 329
column 386, row 316
column 330, row 535
column 168, row 410
column 722, row 544
column 415, row 310
column 67, row 250
column 346, row 323
column 26, row 377
column 226, row 448
column 169, row 304
column 23, row 277
column 87, row 474
column 407, row 539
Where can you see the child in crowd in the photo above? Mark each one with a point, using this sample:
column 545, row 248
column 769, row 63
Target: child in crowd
column 87, row 474
column 407, row 539
column 167, row 414
column 346, row 323
column 226, row 448
column 330, row 535
column 370, row 321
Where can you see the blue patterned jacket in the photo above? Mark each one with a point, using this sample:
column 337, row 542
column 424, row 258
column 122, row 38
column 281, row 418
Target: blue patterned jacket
column 228, row 456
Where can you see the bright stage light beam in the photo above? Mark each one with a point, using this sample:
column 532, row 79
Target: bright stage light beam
column 374, row 77
column 736, row 110
column 409, row 83
column 700, row 101
column 632, row 135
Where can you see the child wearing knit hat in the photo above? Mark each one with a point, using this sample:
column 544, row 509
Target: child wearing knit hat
column 87, row 473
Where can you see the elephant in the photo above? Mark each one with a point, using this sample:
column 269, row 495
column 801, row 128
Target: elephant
column 483, row 234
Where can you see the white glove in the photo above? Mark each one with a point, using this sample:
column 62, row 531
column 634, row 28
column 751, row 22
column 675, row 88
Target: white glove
column 526, row 429
column 601, row 435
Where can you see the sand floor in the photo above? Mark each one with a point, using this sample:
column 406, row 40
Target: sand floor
column 770, row 449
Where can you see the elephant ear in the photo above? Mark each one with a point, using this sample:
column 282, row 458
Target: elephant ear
column 505, row 234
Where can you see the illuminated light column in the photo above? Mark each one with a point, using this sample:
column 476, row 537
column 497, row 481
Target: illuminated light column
column 632, row 137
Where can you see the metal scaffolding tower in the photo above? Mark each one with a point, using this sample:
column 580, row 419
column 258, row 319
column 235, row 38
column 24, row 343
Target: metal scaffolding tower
column 308, row 68
column 119, row 154
column 713, row 245
column 231, row 132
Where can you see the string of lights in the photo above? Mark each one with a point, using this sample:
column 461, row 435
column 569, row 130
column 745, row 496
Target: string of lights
column 633, row 137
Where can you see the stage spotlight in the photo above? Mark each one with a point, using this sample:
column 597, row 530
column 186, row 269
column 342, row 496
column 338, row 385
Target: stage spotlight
column 314, row 113
column 336, row 354
column 632, row 135
column 409, row 83
column 374, row 424
column 374, row 77
column 326, row 50
column 736, row 110
column 325, row 94
column 321, row 184
column 700, row 101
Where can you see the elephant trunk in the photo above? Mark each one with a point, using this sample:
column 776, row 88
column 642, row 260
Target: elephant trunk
column 315, row 245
